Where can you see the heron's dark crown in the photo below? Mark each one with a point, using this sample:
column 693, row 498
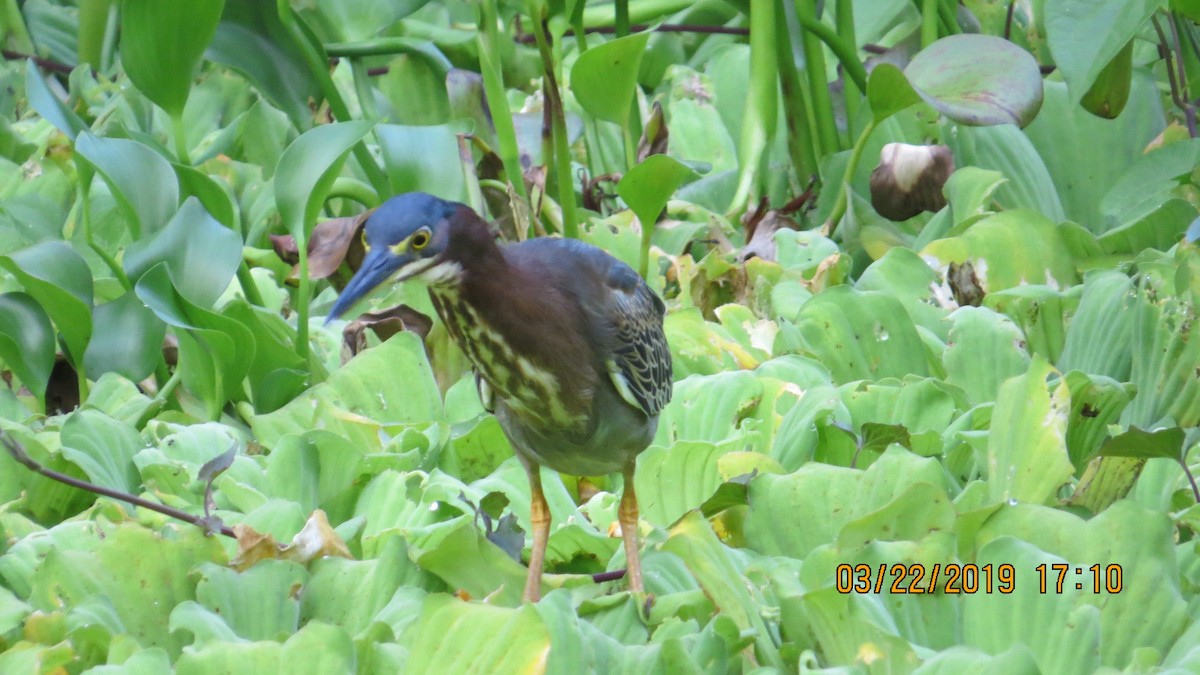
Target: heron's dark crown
column 399, row 217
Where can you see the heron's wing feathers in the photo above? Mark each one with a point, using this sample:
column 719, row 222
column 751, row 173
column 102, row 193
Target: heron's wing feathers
column 639, row 360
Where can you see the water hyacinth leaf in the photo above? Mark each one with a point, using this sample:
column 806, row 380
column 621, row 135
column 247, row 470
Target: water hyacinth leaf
column 1027, row 449
column 710, row 562
column 861, row 335
column 161, row 45
column 1009, row 249
column 103, row 447
column 259, row 603
column 1135, row 442
column 306, row 171
column 889, row 91
column 27, row 343
column 604, row 77
column 196, row 183
column 251, row 40
column 1099, row 339
column 59, row 279
column 1165, row 360
column 1149, row 181
column 42, row 100
column 985, row 349
column 980, row 80
column 1086, row 36
column 1082, row 170
column 127, row 339
column 150, row 573
column 214, row 351
column 1096, row 402
column 1110, row 91
column 423, row 159
column 1061, row 630
column 671, row 481
column 1007, row 150
column 389, row 383
column 141, row 179
column 461, row 637
column 353, row 593
column 647, row 186
column 200, row 254
column 353, row 20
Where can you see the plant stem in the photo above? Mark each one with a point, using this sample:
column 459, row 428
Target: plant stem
column 318, row 65
column 362, row 87
column 826, row 139
column 160, row 398
column 470, row 176
column 851, row 93
column 352, row 188
column 180, row 133
column 839, row 207
column 249, row 286
column 493, row 89
column 946, row 12
column 845, row 52
column 85, row 224
column 929, row 22
column 621, row 21
column 559, row 148
column 795, row 107
column 758, row 123
column 641, row 12
column 303, row 297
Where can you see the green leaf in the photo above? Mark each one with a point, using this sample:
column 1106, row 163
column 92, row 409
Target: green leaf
column 647, row 186
column 200, row 254
column 889, row 91
column 142, row 181
column 672, row 481
column 54, row 274
column 390, row 383
column 353, row 20
column 42, row 100
column 604, row 77
column 711, row 563
column 861, row 335
column 1009, row 249
column 307, row 169
column 1166, row 443
column 161, row 45
column 251, row 40
column 1085, row 36
column 148, row 574
column 127, row 339
column 985, row 350
column 27, row 343
column 422, row 159
column 979, row 80
column 103, row 447
column 214, row 351
column 467, row 637
column 1096, row 402
column 1027, row 449
column 259, row 603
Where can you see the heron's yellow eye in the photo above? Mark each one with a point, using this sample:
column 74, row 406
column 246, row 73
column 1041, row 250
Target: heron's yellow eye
column 420, row 240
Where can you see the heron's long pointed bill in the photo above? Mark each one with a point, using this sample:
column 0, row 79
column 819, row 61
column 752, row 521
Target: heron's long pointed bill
column 377, row 267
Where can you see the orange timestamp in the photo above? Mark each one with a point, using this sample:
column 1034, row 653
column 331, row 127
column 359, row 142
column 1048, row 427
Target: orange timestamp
column 918, row 578
column 969, row 578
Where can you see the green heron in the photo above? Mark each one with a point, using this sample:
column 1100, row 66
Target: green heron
column 566, row 342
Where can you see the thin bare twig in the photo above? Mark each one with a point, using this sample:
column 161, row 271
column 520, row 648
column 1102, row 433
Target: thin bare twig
column 1008, row 20
column 18, row 453
column 43, row 63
